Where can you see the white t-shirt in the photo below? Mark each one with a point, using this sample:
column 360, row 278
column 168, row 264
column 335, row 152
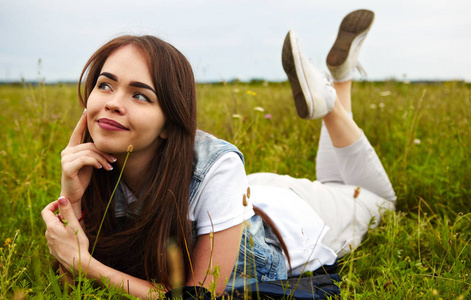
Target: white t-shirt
column 220, row 197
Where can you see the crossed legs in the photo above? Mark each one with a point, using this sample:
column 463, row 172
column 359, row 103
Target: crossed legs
column 345, row 159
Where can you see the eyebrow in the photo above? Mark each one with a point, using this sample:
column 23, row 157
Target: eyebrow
column 133, row 83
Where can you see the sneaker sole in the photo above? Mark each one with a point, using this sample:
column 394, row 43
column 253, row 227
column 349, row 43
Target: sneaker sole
column 289, row 55
column 353, row 25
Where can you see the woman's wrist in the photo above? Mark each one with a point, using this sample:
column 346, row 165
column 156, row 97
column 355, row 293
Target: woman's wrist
column 78, row 265
column 77, row 208
column 140, row 288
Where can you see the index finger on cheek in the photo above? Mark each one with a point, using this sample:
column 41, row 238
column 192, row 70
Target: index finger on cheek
column 76, row 137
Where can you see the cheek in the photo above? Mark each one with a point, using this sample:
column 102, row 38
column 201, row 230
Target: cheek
column 92, row 111
column 90, row 115
column 153, row 133
column 91, row 102
column 158, row 123
column 93, row 107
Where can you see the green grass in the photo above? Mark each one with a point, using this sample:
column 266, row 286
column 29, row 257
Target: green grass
column 420, row 132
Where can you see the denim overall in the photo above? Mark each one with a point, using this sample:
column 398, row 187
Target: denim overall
column 260, row 256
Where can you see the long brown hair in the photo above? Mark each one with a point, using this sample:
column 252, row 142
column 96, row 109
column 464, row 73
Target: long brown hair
column 137, row 245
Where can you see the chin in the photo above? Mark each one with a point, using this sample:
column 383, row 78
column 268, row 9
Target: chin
column 110, row 148
column 107, row 144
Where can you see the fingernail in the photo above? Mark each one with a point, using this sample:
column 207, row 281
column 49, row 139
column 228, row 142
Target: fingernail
column 110, row 167
column 100, row 166
column 84, row 111
column 114, row 159
column 62, row 200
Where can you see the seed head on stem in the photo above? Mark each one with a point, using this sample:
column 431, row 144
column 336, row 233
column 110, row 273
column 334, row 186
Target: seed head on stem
column 357, row 192
column 244, row 200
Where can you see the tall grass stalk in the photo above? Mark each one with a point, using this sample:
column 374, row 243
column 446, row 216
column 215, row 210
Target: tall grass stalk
column 30, row 207
column 245, row 275
column 411, row 135
column 177, row 276
column 353, row 247
column 129, row 150
column 184, row 240
column 78, row 293
column 8, row 278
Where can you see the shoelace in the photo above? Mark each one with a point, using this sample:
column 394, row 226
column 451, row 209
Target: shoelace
column 328, row 78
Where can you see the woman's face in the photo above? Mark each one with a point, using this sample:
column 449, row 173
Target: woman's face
column 122, row 108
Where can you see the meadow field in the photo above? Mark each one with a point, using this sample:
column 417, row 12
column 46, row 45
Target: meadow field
column 421, row 133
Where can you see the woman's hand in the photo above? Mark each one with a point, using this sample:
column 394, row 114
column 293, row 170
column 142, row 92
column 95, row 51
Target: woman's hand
column 68, row 243
column 78, row 161
column 65, row 237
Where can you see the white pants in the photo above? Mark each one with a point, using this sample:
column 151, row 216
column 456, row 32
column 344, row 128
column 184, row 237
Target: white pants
column 339, row 172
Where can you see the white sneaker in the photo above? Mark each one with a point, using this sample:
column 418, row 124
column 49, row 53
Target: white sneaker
column 342, row 59
column 313, row 94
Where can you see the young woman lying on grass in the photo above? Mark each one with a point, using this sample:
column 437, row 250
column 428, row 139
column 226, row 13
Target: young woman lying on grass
column 185, row 185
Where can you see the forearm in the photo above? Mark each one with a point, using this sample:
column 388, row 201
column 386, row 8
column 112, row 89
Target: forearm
column 96, row 270
column 132, row 285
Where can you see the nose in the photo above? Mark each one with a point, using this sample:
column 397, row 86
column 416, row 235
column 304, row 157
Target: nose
column 115, row 104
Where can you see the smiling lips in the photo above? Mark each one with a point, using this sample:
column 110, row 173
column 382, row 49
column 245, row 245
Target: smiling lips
column 110, row 125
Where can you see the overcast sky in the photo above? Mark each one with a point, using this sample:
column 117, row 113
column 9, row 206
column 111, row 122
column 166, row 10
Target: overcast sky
column 418, row 39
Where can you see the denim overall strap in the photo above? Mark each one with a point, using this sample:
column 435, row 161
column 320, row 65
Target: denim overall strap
column 207, row 150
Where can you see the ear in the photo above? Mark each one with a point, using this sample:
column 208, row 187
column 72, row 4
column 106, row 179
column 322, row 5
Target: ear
column 163, row 134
